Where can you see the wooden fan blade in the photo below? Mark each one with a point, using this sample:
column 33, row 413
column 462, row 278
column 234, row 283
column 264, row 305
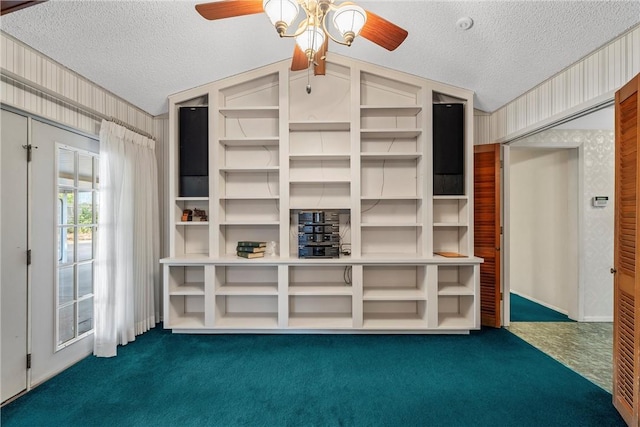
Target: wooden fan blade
column 229, row 8
column 382, row 32
column 321, row 64
column 299, row 60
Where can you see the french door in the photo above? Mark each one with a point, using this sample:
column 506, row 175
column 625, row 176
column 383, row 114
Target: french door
column 13, row 220
column 48, row 218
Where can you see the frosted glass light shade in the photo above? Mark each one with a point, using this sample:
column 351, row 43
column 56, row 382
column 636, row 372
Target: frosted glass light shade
column 281, row 10
column 349, row 18
column 312, row 38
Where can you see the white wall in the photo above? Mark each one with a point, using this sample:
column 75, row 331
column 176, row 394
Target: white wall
column 542, row 252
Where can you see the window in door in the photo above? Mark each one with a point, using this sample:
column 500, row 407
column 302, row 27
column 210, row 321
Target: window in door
column 76, row 227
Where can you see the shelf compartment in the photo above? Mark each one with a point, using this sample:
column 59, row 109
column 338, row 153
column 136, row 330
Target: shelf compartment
column 390, row 133
column 186, row 280
column 255, row 112
column 250, row 184
column 456, row 280
column 451, row 238
column 249, row 158
column 320, row 142
column 391, row 211
column 250, row 141
column 394, row 240
column 320, row 195
column 394, row 294
column 320, row 321
column 313, row 280
column 389, row 176
column 228, row 170
column 320, row 156
column 389, row 110
column 320, row 311
column 456, row 312
column 231, row 234
column 394, row 315
column 388, row 155
column 248, row 211
column 246, row 312
column 248, row 289
column 390, row 224
column 394, row 282
column 319, row 170
column 260, row 92
column 185, row 311
column 318, row 125
column 453, row 212
column 192, row 203
column 190, row 240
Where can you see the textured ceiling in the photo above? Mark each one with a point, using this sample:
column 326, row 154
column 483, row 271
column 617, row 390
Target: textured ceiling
column 144, row 51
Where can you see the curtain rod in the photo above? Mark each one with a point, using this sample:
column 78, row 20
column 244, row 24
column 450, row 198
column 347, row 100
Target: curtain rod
column 70, row 102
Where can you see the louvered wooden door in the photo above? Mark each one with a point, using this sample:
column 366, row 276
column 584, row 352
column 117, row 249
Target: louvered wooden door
column 626, row 326
column 486, row 220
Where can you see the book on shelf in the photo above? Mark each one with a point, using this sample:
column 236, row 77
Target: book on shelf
column 253, row 244
column 250, row 254
column 252, row 249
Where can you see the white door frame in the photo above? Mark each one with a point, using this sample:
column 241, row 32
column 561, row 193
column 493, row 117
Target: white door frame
column 582, row 110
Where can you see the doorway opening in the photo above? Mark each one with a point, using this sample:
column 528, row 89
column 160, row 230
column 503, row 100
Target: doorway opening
column 561, row 241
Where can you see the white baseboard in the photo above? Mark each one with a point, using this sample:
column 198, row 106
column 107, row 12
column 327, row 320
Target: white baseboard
column 606, row 319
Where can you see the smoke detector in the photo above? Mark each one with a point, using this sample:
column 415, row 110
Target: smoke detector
column 464, row 23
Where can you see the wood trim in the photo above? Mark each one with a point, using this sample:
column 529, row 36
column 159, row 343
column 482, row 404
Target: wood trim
column 487, row 221
column 626, row 322
column 13, row 6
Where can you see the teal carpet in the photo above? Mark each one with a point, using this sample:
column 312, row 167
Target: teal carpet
column 524, row 310
column 488, row 378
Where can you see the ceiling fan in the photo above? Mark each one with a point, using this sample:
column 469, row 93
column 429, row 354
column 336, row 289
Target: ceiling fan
column 313, row 32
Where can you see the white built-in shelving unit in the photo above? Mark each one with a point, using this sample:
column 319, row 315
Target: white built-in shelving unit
column 359, row 143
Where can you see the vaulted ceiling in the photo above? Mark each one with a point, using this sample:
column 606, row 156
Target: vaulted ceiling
column 144, row 51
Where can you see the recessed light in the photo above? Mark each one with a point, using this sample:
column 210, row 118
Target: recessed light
column 464, row 23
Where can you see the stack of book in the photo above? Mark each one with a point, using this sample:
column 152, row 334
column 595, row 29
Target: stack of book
column 251, row 249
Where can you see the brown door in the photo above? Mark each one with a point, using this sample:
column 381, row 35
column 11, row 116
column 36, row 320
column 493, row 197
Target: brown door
column 486, row 161
column 626, row 256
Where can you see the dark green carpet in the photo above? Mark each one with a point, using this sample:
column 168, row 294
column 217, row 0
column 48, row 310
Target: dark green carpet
column 488, row 378
column 524, row 310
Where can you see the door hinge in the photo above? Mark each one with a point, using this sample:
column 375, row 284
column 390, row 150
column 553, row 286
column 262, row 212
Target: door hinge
column 500, row 296
column 501, row 230
column 29, row 257
column 29, row 361
column 501, row 164
column 29, row 149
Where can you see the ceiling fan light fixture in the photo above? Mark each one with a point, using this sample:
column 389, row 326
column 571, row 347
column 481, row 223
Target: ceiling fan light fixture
column 281, row 13
column 310, row 40
column 349, row 19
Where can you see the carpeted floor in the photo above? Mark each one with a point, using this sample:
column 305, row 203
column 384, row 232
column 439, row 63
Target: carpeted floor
column 488, row 378
column 525, row 310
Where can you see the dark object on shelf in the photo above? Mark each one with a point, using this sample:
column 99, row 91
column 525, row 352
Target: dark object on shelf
column 187, row 215
column 448, row 149
column 194, row 151
column 318, row 234
column 250, row 254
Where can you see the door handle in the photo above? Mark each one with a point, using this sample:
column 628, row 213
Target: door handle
column 613, row 270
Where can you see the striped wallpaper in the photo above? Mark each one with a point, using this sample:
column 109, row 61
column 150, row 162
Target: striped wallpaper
column 27, row 63
column 586, row 83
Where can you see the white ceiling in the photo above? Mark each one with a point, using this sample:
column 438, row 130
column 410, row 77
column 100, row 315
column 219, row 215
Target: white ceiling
column 144, row 51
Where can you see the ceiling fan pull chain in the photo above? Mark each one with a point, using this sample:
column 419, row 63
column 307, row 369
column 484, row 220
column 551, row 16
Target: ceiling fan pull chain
column 309, row 80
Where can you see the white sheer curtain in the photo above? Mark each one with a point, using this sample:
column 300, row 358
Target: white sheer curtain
column 126, row 271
